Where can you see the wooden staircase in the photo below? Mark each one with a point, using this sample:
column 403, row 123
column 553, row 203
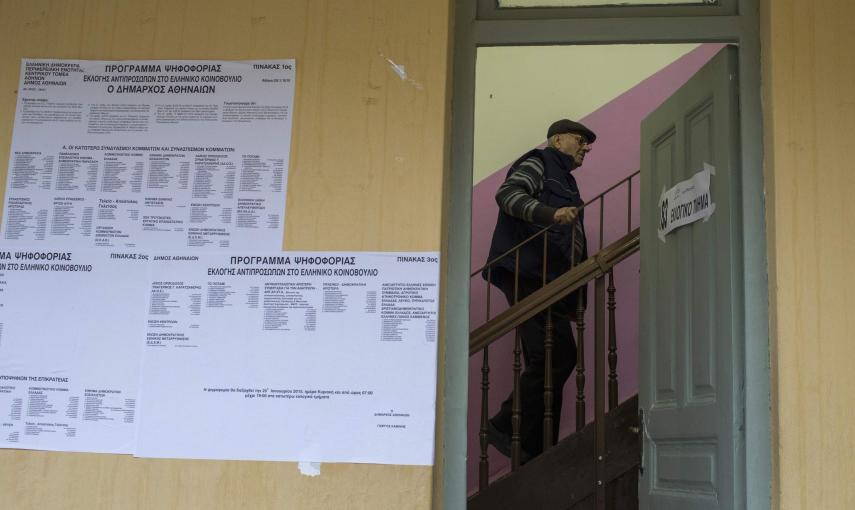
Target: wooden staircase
column 564, row 477
column 597, row 467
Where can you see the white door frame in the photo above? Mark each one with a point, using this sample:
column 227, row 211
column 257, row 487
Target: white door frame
column 481, row 23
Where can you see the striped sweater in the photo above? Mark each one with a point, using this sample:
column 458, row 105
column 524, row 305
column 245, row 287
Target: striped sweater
column 517, row 195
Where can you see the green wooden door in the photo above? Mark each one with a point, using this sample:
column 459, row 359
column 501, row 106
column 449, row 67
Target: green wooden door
column 691, row 374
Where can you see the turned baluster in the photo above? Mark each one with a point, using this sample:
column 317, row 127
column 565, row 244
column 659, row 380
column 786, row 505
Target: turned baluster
column 613, row 377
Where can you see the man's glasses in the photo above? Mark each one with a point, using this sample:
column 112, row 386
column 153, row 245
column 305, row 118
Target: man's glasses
column 580, row 139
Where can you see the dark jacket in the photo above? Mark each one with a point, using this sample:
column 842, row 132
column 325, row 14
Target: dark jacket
column 559, row 190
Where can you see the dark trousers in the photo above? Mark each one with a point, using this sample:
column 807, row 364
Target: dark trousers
column 532, row 334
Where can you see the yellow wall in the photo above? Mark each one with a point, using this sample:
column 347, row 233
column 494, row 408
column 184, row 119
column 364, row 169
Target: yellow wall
column 366, row 174
column 809, row 125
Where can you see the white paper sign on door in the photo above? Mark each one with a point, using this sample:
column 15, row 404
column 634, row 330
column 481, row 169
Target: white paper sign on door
column 688, row 201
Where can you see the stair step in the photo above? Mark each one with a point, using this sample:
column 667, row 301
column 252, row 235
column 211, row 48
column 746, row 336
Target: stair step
column 565, row 475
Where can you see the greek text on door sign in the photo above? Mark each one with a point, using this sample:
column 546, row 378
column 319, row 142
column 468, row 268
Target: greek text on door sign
column 688, row 201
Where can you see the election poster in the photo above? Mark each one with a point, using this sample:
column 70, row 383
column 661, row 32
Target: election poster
column 317, row 357
column 145, row 305
column 70, row 345
column 150, row 154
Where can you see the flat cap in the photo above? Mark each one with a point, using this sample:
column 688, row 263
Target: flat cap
column 569, row 126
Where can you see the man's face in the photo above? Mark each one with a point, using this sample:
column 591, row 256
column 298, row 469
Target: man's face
column 574, row 145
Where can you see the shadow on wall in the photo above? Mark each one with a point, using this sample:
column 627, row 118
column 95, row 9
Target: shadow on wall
column 615, row 156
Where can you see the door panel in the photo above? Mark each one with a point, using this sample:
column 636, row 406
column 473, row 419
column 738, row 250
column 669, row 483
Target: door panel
column 691, row 373
column 666, row 379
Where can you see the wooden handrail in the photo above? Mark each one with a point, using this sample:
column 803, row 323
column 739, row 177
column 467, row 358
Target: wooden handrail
column 592, row 268
column 580, row 208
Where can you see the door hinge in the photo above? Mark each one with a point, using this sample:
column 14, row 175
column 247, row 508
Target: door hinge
column 640, row 431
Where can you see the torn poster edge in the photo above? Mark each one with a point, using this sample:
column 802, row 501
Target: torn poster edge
column 308, row 468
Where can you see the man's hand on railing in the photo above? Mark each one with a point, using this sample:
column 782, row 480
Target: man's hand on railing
column 565, row 215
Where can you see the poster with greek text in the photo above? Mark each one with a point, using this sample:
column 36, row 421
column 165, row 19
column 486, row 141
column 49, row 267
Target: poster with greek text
column 316, row 357
column 71, row 334
column 160, row 154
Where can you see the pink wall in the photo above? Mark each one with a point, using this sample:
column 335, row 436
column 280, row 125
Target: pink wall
column 614, row 157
